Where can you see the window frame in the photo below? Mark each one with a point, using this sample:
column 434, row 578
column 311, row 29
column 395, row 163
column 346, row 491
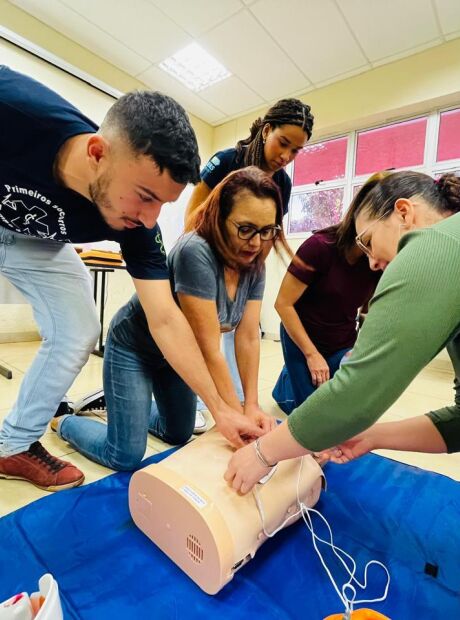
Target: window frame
column 447, row 163
column 349, row 181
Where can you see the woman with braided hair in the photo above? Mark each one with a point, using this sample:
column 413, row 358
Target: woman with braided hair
column 273, row 142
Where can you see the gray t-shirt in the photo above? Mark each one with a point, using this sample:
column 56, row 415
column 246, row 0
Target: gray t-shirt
column 195, row 270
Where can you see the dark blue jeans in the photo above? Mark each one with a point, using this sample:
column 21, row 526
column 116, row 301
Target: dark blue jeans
column 294, row 384
column 132, row 374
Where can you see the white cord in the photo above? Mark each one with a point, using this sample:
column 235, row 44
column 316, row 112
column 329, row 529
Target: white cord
column 306, row 512
column 262, row 515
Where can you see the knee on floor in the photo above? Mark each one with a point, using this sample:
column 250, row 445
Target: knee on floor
column 125, row 461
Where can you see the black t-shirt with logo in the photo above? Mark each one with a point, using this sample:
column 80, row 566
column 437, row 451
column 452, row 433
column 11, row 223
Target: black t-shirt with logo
column 35, row 122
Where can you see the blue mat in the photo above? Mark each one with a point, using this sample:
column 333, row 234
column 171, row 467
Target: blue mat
column 108, row 570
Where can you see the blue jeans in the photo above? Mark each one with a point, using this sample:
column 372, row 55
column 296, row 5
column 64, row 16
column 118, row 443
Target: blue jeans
column 133, row 372
column 228, row 348
column 55, row 282
column 294, row 384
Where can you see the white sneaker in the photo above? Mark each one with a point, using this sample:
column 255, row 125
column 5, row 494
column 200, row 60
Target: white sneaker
column 200, row 424
column 94, row 401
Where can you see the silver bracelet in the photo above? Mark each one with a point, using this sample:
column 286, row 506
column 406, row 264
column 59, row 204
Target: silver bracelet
column 260, row 456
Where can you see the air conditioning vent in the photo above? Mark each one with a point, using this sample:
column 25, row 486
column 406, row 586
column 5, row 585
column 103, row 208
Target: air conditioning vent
column 195, row 550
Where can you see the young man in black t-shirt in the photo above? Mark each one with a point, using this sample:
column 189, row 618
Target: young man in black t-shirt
column 62, row 179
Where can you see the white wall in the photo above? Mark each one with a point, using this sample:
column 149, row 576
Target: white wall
column 171, row 220
column 275, row 269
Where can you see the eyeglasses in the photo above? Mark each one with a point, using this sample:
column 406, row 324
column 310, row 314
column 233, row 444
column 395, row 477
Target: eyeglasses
column 365, row 247
column 248, row 232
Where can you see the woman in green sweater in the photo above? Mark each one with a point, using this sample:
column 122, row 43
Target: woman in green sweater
column 415, row 312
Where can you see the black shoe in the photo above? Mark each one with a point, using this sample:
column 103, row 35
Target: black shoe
column 65, row 408
column 94, row 401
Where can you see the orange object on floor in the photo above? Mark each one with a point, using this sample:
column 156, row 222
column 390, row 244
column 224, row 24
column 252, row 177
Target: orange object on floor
column 360, row 614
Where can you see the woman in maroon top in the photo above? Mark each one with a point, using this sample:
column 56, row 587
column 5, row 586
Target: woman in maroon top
column 318, row 303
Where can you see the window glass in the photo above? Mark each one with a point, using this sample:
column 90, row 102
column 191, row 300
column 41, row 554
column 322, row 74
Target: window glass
column 324, row 161
column 310, row 211
column 401, row 145
column 449, row 136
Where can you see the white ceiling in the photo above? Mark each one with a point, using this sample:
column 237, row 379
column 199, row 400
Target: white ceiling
column 273, row 48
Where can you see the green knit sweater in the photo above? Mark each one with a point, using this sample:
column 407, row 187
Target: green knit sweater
column 415, row 312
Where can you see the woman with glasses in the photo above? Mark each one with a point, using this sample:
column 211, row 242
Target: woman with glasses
column 318, row 303
column 409, row 226
column 217, row 277
column 273, row 142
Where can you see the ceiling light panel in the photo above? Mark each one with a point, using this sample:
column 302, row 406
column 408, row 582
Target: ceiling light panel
column 195, row 68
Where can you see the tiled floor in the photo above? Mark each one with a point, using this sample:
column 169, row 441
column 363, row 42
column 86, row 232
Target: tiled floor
column 430, row 390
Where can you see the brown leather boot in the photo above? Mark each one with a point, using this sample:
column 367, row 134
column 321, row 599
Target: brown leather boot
column 38, row 466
